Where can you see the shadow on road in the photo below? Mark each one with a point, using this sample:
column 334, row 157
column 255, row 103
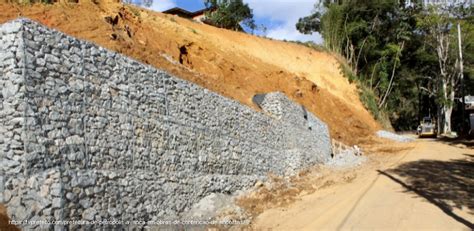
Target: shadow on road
column 468, row 143
column 446, row 184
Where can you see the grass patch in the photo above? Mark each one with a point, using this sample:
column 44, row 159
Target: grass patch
column 193, row 30
column 309, row 44
column 135, row 11
column 347, row 72
column 366, row 95
column 368, row 98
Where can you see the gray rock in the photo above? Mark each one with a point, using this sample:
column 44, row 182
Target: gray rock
column 58, row 214
column 7, row 55
column 394, row 137
column 46, row 212
column 54, row 115
column 89, row 214
column 7, row 195
column 113, row 212
column 57, row 203
column 71, row 196
column 89, row 191
column 83, row 181
column 55, row 190
column 74, row 140
column 42, row 202
column 62, row 89
column 12, row 27
column 20, row 213
column 98, row 189
column 85, row 203
column 9, row 89
column 40, row 62
column 32, row 182
column 210, row 206
column 51, row 58
column 112, row 175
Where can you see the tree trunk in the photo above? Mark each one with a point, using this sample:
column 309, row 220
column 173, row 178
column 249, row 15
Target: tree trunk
column 390, row 85
column 438, row 114
column 447, row 107
column 448, row 110
column 447, row 82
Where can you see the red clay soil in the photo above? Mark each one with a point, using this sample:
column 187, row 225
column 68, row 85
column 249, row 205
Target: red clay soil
column 234, row 64
column 4, row 224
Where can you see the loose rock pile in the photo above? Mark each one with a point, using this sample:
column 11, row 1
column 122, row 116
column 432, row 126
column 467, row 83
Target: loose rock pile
column 394, row 137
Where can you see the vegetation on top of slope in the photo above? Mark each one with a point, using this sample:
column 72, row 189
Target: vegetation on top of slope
column 366, row 94
column 310, row 44
column 406, row 54
column 229, row 14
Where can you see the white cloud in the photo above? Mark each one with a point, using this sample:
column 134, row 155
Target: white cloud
column 281, row 9
column 286, row 13
column 161, row 5
column 288, row 31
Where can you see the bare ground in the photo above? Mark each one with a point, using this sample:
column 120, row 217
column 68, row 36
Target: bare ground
column 429, row 186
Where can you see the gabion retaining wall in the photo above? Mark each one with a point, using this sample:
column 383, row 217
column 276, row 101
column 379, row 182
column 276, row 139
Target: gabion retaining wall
column 88, row 134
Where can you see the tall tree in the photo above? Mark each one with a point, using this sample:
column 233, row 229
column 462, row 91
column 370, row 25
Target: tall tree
column 403, row 53
column 370, row 34
column 438, row 24
column 229, row 14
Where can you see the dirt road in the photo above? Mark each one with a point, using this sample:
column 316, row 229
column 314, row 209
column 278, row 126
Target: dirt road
column 430, row 187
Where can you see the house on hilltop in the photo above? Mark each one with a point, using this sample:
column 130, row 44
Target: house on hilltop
column 196, row 15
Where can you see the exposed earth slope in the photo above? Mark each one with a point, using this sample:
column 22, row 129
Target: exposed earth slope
column 233, row 64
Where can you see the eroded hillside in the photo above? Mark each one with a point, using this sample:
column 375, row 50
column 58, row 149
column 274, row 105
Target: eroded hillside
column 233, row 64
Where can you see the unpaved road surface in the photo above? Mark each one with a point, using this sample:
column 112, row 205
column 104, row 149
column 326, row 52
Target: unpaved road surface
column 430, row 187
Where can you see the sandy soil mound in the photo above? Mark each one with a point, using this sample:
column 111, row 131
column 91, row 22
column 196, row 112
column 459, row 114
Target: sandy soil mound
column 233, row 64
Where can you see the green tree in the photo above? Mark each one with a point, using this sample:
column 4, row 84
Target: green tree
column 438, row 24
column 371, row 35
column 405, row 55
column 229, row 14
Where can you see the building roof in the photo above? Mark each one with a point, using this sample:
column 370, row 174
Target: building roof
column 185, row 13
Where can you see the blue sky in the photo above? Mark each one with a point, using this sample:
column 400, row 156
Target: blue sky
column 278, row 16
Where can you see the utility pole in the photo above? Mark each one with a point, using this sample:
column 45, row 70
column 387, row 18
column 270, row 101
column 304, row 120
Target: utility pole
column 461, row 72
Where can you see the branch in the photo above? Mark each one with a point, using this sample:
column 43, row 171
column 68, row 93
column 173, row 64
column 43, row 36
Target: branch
column 390, row 85
column 365, row 40
column 427, row 77
column 430, row 93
